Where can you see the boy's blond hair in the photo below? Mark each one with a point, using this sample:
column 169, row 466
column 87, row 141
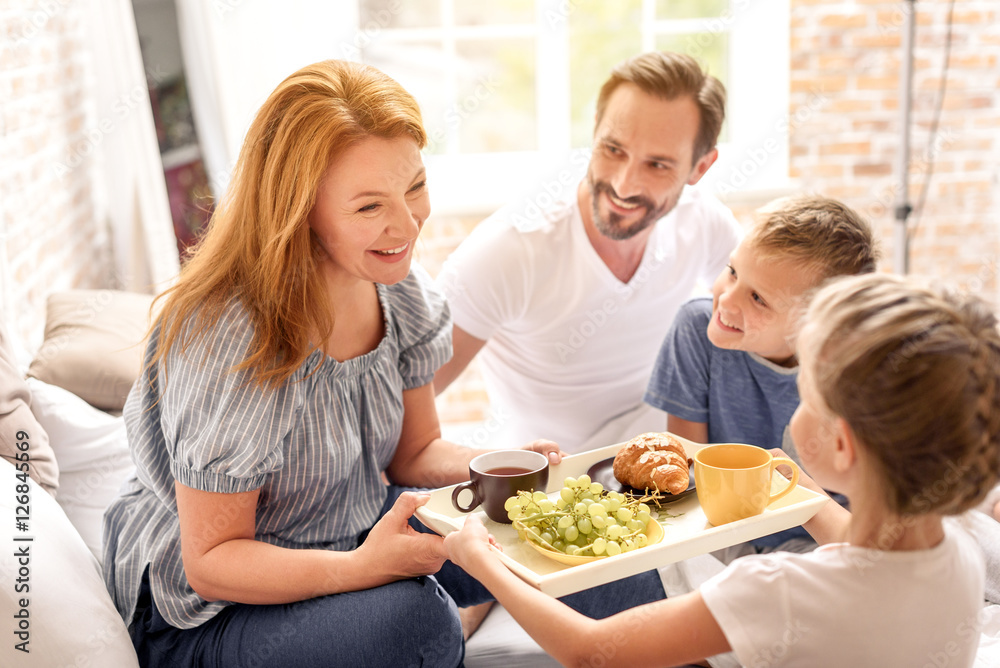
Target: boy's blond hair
column 825, row 235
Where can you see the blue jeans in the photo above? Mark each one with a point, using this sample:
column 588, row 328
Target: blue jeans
column 406, row 623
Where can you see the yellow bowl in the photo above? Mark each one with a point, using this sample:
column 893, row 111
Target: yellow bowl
column 654, row 532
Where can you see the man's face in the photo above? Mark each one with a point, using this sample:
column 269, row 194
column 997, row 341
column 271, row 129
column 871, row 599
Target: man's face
column 642, row 159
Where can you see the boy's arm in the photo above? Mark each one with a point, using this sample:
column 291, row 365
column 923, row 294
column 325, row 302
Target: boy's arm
column 692, row 431
column 671, row 632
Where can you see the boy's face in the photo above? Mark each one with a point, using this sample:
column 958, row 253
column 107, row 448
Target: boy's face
column 754, row 304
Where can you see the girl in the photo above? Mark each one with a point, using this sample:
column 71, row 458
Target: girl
column 900, row 411
column 288, row 372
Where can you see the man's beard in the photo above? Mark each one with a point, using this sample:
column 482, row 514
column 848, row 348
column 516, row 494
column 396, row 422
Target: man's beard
column 611, row 226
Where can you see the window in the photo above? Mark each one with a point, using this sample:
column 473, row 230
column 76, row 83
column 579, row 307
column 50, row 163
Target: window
column 508, row 88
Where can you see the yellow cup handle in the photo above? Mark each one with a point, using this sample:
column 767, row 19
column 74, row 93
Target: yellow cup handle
column 791, row 483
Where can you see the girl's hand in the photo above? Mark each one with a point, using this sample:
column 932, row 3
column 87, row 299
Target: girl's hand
column 470, row 545
column 395, row 548
column 548, row 448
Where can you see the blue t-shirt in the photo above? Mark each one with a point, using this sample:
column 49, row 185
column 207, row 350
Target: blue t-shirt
column 743, row 397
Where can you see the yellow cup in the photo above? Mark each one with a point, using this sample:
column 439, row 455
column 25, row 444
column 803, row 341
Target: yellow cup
column 733, row 480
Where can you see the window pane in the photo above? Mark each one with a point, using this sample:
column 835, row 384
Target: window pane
column 602, row 34
column 495, row 108
column 690, row 9
column 471, row 13
column 397, row 14
column 711, row 50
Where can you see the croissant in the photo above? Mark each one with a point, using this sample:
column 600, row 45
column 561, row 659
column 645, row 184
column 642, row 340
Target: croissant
column 653, row 461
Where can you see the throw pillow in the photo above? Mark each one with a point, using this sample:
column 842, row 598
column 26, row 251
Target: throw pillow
column 94, row 344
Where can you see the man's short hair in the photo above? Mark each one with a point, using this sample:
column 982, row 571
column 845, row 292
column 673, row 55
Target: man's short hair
column 669, row 75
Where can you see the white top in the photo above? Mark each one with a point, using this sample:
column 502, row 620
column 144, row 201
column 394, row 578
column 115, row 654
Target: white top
column 569, row 346
column 849, row 606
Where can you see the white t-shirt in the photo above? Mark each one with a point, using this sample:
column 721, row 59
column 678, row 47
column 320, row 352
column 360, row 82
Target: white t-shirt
column 569, row 346
column 849, row 606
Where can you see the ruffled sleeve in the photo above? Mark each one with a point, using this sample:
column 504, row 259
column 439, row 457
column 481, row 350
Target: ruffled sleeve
column 423, row 327
column 223, row 433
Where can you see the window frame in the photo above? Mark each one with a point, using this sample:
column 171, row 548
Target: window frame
column 755, row 157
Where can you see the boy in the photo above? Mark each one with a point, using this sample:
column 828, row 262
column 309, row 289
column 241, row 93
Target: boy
column 726, row 372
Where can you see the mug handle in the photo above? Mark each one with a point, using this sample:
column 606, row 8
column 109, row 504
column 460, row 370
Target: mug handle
column 476, row 499
column 791, row 483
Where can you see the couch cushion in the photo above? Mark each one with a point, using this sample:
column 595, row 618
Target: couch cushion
column 64, row 612
column 19, row 427
column 93, row 345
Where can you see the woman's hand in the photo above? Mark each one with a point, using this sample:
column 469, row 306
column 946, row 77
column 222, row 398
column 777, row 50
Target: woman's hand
column 394, row 548
column 470, row 545
column 548, row 448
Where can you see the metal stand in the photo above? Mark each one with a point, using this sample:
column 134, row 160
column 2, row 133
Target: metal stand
column 901, row 246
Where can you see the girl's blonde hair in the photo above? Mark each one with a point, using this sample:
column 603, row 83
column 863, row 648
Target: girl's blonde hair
column 259, row 247
column 914, row 370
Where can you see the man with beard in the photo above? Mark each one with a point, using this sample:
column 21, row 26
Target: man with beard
column 568, row 304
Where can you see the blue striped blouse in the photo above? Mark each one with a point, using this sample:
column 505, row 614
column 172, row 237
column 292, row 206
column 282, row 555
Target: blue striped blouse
column 315, row 447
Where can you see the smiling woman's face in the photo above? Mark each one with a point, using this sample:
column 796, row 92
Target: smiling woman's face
column 370, row 207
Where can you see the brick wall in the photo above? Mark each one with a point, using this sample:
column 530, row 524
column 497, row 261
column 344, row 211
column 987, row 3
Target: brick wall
column 845, row 69
column 845, row 135
column 51, row 218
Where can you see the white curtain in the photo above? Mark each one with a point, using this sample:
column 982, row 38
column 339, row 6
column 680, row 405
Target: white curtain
column 236, row 52
column 133, row 195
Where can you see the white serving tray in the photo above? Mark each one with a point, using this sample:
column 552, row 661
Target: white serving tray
column 684, row 537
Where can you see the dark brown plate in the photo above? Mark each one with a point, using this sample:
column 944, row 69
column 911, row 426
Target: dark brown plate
column 603, row 472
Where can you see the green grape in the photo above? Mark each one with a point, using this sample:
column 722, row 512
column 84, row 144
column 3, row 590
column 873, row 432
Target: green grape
column 583, row 518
